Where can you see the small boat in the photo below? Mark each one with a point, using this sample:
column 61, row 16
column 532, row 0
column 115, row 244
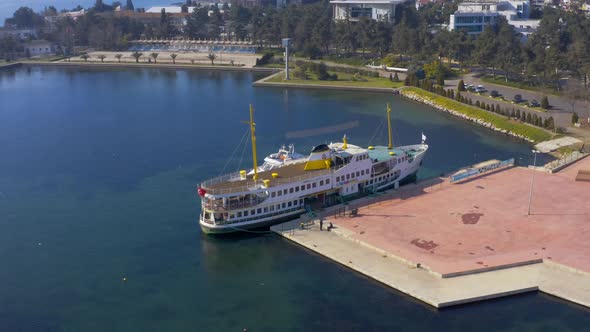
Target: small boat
column 285, row 156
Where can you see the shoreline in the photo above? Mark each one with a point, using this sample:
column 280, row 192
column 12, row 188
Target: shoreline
column 263, row 82
column 335, row 87
column 140, row 65
column 415, row 97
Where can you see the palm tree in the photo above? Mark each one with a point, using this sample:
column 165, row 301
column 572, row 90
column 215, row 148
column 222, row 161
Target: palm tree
column 212, row 57
column 119, row 56
column 101, row 57
column 173, row 56
column 85, row 57
column 155, row 56
column 137, row 55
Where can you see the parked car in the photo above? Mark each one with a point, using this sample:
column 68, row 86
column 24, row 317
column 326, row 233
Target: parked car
column 517, row 99
column 480, row 89
column 534, row 103
column 494, row 94
column 470, row 87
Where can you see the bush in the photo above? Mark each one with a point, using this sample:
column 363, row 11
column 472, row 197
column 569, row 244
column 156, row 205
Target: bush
column 461, row 86
column 440, row 79
column 532, row 133
column 265, row 59
column 545, row 103
column 575, row 118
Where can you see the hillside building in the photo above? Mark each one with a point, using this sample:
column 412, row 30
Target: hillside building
column 353, row 10
column 473, row 16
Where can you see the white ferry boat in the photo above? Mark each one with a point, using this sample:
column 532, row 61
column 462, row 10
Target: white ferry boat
column 331, row 174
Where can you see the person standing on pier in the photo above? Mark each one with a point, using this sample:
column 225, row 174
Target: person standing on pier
column 321, row 224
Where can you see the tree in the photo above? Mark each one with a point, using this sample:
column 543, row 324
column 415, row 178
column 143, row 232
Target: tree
column 196, row 23
column 212, row 57
column 119, row 56
column 545, row 103
column 440, row 78
column 25, row 17
column 461, row 86
column 101, row 57
column 137, row 55
column 129, row 5
column 173, row 56
column 85, row 57
column 184, row 9
column 395, row 77
column 155, row 56
column 509, row 55
column 575, row 118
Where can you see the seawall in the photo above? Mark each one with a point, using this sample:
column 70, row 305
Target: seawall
column 111, row 65
column 415, row 97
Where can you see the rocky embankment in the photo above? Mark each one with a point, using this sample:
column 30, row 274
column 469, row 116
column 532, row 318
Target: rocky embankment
column 413, row 96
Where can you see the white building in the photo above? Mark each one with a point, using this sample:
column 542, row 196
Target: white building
column 353, row 10
column 39, row 48
column 18, row 33
column 473, row 16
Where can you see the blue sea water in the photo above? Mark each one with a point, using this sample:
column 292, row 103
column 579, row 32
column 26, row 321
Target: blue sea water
column 97, row 183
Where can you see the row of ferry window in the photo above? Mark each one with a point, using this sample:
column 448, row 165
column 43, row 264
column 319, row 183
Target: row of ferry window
column 266, row 209
column 352, row 175
column 298, row 188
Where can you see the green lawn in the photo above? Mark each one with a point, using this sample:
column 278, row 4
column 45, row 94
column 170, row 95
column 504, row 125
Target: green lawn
column 352, row 61
column 534, row 133
column 344, row 79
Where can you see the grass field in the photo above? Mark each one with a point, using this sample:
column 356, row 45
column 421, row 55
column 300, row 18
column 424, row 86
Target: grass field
column 534, row 133
column 344, row 79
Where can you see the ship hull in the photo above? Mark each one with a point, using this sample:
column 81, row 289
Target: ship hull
column 247, row 228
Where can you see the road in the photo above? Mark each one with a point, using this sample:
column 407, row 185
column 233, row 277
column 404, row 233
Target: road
column 559, row 104
column 559, row 110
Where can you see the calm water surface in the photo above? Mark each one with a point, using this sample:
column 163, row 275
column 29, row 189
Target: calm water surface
column 97, row 178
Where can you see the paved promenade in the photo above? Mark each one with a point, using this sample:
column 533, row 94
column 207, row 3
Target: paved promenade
column 457, row 243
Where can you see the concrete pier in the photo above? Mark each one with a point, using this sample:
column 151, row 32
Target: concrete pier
column 449, row 244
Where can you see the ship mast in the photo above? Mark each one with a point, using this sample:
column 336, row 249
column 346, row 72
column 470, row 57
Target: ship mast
column 390, row 145
column 253, row 133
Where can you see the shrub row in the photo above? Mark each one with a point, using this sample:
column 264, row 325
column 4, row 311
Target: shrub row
column 473, row 112
column 513, row 113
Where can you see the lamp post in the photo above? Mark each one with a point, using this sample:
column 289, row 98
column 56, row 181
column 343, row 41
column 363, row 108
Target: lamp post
column 535, row 152
column 286, row 44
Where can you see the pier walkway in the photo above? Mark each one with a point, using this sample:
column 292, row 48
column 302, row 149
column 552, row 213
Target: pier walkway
column 466, row 242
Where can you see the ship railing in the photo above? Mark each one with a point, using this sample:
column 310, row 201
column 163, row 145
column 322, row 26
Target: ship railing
column 252, row 186
column 218, row 206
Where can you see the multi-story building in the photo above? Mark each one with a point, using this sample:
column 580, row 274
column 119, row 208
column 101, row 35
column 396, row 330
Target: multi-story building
column 353, row 10
column 473, row 16
column 18, row 33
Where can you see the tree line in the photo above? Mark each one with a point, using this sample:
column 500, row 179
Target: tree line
column 560, row 46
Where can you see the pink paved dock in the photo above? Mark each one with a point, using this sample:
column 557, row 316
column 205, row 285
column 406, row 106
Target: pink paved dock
column 483, row 224
column 473, row 241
